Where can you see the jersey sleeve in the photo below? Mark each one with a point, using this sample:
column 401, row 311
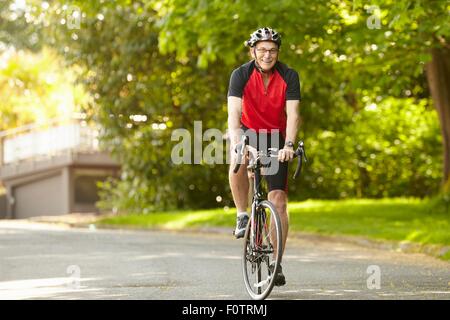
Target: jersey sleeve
column 237, row 84
column 293, row 86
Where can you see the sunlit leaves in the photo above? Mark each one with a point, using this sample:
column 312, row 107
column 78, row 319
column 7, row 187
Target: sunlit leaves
column 361, row 69
column 35, row 89
column 379, row 154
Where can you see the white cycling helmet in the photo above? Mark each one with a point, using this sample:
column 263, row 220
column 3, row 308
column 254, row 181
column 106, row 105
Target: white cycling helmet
column 263, row 34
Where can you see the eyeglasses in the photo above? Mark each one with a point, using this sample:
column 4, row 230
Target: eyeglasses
column 263, row 51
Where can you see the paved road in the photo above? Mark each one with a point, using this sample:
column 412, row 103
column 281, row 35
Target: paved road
column 40, row 261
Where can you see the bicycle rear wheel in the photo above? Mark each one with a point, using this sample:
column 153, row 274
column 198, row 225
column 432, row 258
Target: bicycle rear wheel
column 262, row 248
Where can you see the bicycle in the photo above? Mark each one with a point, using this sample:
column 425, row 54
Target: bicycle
column 262, row 240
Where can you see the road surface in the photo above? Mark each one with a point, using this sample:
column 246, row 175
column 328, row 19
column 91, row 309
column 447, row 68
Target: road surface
column 40, row 261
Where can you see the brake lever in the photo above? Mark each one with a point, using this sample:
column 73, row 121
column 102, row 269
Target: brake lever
column 300, row 152
column 240, row 152
column 304, row 152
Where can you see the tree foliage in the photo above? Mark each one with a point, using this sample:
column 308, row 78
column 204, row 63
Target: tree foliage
column 367, row 117
column 34, row 89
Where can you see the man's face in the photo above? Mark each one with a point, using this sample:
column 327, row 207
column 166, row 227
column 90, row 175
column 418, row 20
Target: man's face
column 266, row 54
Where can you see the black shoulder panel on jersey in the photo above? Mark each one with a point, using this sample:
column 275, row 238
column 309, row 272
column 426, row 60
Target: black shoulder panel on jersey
column 292, row 80
column 239, row 78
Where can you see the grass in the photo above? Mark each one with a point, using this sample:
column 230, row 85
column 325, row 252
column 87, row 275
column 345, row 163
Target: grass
column 389, row 219
column 410, row 220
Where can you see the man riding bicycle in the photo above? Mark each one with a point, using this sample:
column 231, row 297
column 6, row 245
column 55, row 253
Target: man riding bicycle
column 263, row 99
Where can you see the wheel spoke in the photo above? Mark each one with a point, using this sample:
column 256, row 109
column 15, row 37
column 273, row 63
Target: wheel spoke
column 264, row 282
column 260, row 245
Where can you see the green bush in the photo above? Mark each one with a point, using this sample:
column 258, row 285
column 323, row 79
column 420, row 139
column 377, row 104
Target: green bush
column 391, row 149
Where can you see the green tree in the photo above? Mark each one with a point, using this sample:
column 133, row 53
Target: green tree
column 171, row 61
column 21, row 24
column 367, row 52
column 34, row 89
column 379, row 154
column 127, row 76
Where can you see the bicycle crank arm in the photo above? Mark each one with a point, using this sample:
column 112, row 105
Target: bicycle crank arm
column 262, row 283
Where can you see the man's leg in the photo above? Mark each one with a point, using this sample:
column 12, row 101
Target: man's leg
column 277, row 182
column 239, row 185
column 279, row 199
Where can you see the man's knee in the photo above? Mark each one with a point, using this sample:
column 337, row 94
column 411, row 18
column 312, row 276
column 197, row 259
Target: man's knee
column 242, row 168
column 242, row 172
column 278, row 198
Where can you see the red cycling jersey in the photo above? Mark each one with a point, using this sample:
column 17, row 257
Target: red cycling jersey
column 264, row 108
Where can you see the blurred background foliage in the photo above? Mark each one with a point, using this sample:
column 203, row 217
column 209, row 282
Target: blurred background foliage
column 371, row 126
column 34, row 89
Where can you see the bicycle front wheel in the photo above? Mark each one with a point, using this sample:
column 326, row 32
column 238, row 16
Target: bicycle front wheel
column 262, row 250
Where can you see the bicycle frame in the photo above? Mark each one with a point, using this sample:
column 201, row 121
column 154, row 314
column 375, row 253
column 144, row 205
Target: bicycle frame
column 258, row 197
column 260, row 249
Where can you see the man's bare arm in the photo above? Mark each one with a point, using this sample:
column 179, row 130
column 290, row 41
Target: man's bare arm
column 234, row 119
column 293, row 119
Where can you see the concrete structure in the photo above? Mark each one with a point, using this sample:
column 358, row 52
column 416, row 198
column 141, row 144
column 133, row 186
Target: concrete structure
column 2, row 206
column 52, row 170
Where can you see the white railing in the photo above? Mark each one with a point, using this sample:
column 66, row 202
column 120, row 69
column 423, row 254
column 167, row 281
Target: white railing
column 42, row 142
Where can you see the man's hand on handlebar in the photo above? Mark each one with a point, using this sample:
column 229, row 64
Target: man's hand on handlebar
column 286, row 154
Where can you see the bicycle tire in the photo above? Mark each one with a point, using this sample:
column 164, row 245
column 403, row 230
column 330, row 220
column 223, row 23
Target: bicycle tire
column 255, row 257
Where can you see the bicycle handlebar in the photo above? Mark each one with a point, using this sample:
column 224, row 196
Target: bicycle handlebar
column 299, row 152
column 240, row 154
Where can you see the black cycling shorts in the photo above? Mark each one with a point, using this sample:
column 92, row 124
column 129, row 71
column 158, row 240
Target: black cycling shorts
column 277, row 178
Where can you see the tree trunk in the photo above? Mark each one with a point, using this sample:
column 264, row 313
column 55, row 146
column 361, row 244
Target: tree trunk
column 438, row 75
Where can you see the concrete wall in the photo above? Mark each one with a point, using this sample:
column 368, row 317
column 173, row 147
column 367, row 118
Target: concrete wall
column 60, row 191
column 55, row 186
column 42, row 197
